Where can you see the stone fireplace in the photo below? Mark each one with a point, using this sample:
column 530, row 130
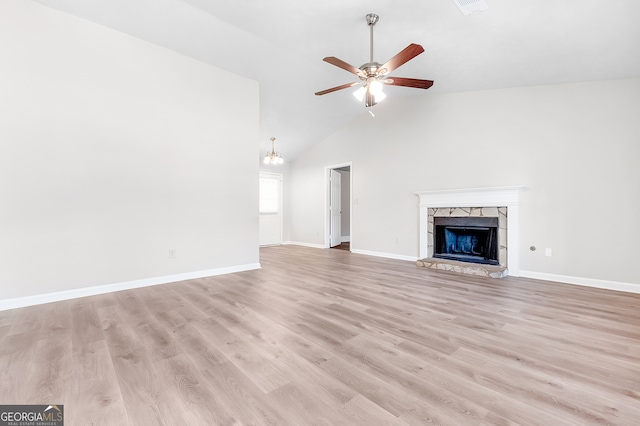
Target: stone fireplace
column 473, row 231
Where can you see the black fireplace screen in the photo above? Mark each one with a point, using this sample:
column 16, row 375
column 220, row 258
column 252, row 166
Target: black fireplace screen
column 467, row 239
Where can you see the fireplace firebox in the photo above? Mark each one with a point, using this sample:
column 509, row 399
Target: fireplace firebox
column 466, row 239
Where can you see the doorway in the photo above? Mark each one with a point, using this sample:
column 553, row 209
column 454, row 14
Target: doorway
column 270, row 209
column 338, row 223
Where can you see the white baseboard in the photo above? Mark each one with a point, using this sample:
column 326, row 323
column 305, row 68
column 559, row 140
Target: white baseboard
column 587, row 282
column 297, row 243
column 368, row 253
column 387, row 255
column 21, row 302
column 345, row 238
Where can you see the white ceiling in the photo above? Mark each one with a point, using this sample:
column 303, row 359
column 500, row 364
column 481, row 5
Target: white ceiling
column 281, row 44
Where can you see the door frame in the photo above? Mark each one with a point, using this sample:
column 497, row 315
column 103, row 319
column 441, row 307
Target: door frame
column 279, row 177
column 327, row 193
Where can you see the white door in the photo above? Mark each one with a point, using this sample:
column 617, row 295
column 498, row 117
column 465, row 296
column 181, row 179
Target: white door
column 335, row 223
column 270, row 209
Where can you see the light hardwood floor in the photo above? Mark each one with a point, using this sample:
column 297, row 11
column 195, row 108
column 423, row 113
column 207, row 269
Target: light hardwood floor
column 327, row 337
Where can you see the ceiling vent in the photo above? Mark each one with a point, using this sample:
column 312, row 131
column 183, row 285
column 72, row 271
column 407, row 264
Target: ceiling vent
column 467, row 7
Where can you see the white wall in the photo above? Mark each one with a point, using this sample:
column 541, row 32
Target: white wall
column 306, row 195
column 110, row 158
column 575, row 147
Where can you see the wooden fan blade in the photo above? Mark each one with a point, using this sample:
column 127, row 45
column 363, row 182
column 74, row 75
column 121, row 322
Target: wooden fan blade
column 408, row 53
column 409, row 82
column 342, row 64
column 333, row 89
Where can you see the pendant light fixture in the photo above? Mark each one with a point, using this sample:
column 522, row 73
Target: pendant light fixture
column 273, row 157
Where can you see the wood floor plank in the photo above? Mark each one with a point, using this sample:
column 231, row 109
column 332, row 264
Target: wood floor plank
column 189, row 396
column 199, row 348
column 398, row 371
column 329, row 337
column 410, row 407
column 361, row 410
column 95, row 388
column 17, row 355
column 86, row 326
column 556, row 395
column 242, row 397
column 143, row 394
column 255, row 364
column 51, row 370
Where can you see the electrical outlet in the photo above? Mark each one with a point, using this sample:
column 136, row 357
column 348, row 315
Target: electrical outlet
column 172, row 253
column 547, row 252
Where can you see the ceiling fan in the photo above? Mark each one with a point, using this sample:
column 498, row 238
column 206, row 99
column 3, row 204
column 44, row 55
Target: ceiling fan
column 374, row 76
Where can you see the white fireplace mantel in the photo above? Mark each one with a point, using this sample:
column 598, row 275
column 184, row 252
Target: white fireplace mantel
column 502, row 196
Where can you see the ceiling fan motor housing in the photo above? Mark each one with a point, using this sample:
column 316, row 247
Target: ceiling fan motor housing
column 370, row 69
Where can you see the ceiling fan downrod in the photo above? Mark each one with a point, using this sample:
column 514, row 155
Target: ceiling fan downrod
column 372, row 19
column 371, row 70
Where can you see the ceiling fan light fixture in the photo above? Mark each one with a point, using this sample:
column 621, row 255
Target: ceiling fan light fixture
column 372, row 89
column 375, row 87
column 359, row 94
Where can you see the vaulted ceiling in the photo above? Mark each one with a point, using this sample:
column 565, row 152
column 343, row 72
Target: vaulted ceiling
column 281, row 43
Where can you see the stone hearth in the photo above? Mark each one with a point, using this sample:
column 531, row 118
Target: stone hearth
column 491, row 271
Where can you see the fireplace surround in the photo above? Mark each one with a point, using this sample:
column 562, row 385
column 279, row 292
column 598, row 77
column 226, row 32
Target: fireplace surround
column 500, row 202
